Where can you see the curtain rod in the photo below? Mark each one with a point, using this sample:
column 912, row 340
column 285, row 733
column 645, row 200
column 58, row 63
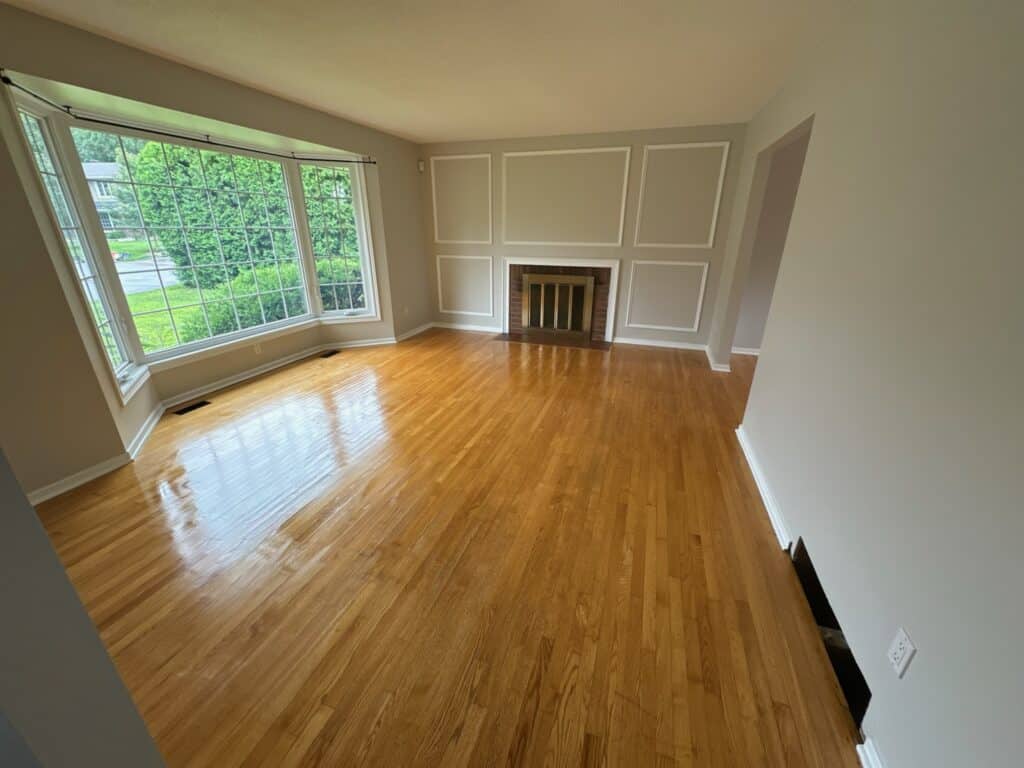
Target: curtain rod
column 70, row 112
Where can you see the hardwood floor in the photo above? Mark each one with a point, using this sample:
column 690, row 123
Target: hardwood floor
column 457, row 551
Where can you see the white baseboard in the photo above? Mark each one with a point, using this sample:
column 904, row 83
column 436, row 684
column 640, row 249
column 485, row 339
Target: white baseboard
column 755, row 351
column 358, row 343
column 144, row 431
column 658, row 343
column 868, row 754
column 467, row 327
column 720, row 367
column 79, row 478
column 415, row 331
column 774, row 515
column 237, row 378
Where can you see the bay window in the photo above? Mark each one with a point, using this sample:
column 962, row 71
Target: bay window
column 179, row 246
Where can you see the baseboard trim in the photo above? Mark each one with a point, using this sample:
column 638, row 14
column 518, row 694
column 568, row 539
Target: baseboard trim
column 869, row 756
column 40, row 495
column 635, row 342
column 237, row 378
column 774, row 515
column 144, row 431
column 753, row 351
column 720, row 367
column 467, row 327
column 415, row 331
column 382, row 341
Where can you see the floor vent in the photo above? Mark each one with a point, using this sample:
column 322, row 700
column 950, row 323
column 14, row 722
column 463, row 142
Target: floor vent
column 851, row 680
column 191, row 407
column 329, row 353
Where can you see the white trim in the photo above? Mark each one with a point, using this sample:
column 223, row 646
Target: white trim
column 660, row 343
column 490, row 201
column 710, row 243
column 720, row 367
column 752, row 351
column 559, row 261
column 238, row 378
column 490, row 286
column 64, row 485
column 700, row 295
column 869, row 755
column 592, row 150
column 356, row 343
column 334, row 318
column 467, row 327
column 286, row 327
column 414, row 332
column 145, row 431
column 770, row 505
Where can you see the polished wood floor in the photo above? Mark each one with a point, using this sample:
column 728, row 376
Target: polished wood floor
column 457, row 551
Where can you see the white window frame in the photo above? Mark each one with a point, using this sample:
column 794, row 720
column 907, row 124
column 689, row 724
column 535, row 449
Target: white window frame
column 128, row 377
column 58, row 124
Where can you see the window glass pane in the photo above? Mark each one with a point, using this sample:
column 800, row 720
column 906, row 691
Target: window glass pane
column 82, row 259
column 155, row 331
column 341, row 264
column 189, row 233
column 295, row 302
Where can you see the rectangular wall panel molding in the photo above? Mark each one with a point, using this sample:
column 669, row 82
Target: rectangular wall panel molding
column 666, row 295
column 465, row 285
column 680, row 194
column 460, row 187
column 567, row 197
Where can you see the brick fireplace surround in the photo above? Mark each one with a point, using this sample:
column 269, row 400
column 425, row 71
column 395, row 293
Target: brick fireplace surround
column 602, row 285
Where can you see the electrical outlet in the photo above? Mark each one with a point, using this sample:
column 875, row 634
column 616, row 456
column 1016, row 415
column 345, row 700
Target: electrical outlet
column 901, row 652
column 257, row 348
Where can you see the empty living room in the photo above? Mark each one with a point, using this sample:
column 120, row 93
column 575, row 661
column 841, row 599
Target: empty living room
column 511, row 384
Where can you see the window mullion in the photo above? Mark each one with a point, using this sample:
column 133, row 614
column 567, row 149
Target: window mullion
column 93, row 232
column 297, row 199
column 360, row 209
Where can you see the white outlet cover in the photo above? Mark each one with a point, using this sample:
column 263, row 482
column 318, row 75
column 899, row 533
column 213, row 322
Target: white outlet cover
column 901, row 651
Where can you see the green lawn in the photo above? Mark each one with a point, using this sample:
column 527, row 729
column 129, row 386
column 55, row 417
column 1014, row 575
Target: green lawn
column 130, row 250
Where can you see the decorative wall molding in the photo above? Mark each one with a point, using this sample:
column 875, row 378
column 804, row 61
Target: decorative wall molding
column 710, row 243
column 490, row 202
column 490, row 286
column 592, row 150
column 695, row 326
column 720, row 367
column 558, row 261
column 63, row 485
column 752, row 351
column 770, row 505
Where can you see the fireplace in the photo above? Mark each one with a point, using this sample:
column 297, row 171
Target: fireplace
column 560, row 303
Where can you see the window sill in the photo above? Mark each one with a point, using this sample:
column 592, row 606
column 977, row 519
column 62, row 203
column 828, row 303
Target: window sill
column 335, row 319
column 132, row 383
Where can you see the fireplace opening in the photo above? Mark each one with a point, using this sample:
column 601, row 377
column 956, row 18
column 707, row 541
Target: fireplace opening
column 558, row 303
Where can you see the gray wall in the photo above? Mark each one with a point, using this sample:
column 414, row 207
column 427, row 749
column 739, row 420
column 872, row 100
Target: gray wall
column 886, row 408
column 49, row 353
column 787, row 163
column 566, row 199
column 58, row 687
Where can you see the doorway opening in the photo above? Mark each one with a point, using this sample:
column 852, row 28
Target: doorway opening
column 780, row 167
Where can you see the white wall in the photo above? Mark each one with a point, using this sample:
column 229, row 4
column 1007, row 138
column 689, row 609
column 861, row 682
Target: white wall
column 787, row 164
column 58, row 687
column 886, row 408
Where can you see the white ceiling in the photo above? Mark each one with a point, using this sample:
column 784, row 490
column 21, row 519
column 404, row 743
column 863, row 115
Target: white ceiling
column 439, row 70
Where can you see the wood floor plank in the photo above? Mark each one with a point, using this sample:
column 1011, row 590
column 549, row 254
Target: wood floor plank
column 457, row 551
